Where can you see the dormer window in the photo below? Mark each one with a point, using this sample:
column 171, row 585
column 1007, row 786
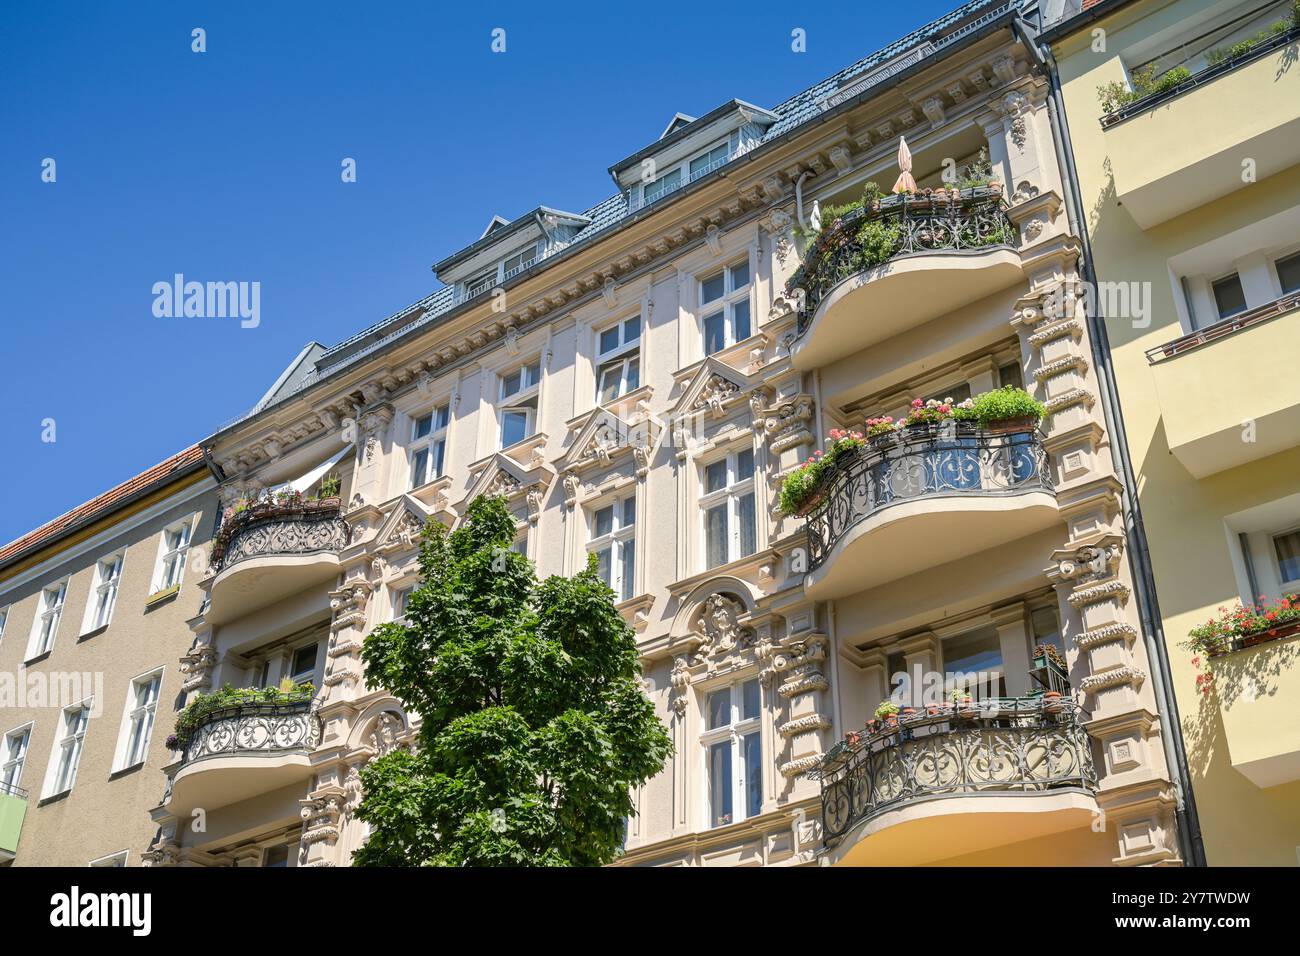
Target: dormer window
column 520, row 261
column 665, row 184
column 618, row 360
column 519, row 389
column 480, row 284
column 694, row 167
column 706, row 163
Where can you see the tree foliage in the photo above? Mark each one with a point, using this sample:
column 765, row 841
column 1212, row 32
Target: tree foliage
column 535, row 727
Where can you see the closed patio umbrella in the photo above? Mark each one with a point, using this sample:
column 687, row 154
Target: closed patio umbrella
column 905, row 183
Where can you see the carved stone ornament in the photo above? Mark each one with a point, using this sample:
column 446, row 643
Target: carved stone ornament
column 716, row 393
column 503, row 484
column 1090, row 563
column 718, row 627
column 384, row 738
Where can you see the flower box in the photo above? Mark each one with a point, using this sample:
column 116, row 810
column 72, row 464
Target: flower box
column 1007, row 426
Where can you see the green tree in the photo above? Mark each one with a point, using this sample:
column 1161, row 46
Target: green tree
column 535, row 727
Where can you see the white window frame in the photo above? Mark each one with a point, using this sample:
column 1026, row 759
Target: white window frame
column 111, row 860
column 137, row 713
column 49, row 615
column 67, row 737
column 104, row 588
column 433, row 444
column 401, row 592
column 315, row 663
column 620, row 541
column 733, row 733
column 731, row 494
column 523, row 258
column 1290, row 584
column 167, row 553
column 683, row 170
column 620, row 358
column 732, row 295
column 4, row 620
column 14, row 766
column 526, row 400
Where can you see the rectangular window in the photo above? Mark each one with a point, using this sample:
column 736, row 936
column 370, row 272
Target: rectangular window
column 4, row 618
column 729, row 508
column 103, row 594
column 618, row 360
column 276, row 856
column 1229, row 296
column 67, row 748
column 732, row 742
column 400, row 598
column 14, row 756
column 519, row 392
column 974, row 660
column 724, row 306
column 706, row 163
column 520, row 261
column 480, row 284
column 1287, row 548
column 662, row 186
column 613, row 542
column 171, row 559
column 49, row 611
column 142, row 708
column 1009, row 374
column 304, row 664
column 429, row 445
column 1288, row 273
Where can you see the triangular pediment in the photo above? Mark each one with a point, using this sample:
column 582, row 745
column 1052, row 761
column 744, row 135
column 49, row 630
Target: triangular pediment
column 502, row 475
column 401, row 527
column 600, row 437
column 714, row 387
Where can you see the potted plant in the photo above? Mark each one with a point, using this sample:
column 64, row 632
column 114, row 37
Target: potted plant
column 962, row 702
column 1006, row 410
column 1052, row 702
column 887, row 711
column 804, row 488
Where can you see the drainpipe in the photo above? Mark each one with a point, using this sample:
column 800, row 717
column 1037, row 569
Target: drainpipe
column 1189, row 827
column 798, row 197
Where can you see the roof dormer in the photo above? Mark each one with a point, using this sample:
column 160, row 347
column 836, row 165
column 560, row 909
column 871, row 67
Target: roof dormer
column 689, row 149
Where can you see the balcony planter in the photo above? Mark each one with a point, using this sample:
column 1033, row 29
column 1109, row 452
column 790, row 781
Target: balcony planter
column 1246, row 626
column 1052, row 702
column 1007, row 426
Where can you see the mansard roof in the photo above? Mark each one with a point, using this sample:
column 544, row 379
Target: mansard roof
column 889, row 62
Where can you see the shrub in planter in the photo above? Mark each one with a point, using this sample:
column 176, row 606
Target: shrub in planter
column 197, row 710
column 1115, row 95
column 1007, row 409
column 887, row 710
column 801, row 488
column 877, row 242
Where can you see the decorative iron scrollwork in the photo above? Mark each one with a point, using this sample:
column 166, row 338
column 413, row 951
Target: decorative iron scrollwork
column 1006, row 745
column 255, row 729
column 924, row 461
column 285, row 534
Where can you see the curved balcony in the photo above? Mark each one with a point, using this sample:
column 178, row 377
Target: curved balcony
column 957, row 780
column 270, row 552
column 242, row 751
column 922, row 497
column 943, row 253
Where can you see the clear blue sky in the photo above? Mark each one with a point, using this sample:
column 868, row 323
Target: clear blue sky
column 225, row 166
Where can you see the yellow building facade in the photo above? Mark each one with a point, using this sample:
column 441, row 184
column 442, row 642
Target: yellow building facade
column 1183, row 120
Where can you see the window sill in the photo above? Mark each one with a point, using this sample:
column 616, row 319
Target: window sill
column 44, row 655
column 159, row 597
column 93, row 632
column 54, row 797
column 125, row 771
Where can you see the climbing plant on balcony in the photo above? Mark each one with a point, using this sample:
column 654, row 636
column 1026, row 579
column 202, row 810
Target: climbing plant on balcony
column 535, row 728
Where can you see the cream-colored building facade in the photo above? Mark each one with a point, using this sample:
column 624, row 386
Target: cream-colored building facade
column 637, row 379
column 1191, row 198
column 93, row 608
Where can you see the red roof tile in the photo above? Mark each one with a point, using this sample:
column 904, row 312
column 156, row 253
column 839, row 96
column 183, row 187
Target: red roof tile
column 102, row 505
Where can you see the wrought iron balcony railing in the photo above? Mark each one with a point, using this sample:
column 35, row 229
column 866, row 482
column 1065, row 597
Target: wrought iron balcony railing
column 999, row 745
column 12, row 790
column 303, row 528
column 922, row 223
column 927, row 461
column 255, row 728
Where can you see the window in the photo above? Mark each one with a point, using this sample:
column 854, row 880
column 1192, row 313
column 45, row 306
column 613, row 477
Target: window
column 1009, row 374
column 1288, row 273
column 4, row 617
column 613, row 542
column 480, row 284
column 958, row 393
column 662, row 186
column 67, row 749
column 520, row 261
column 429, row 445
column 727, row 501
column 695, row 167
column 618, row 360
column 400, row 597
column 46, row 625
column 1287, row 548
column 276, row 856
column 732, row 742
column 137, row 725
column 171, row 559
column 724, row 303
column 974, row 660
column 303, row 668
column 1229, row 296
column 14, row 756
column 519, row 403
column 103, row 594
column 706, row 163
column 112, row 861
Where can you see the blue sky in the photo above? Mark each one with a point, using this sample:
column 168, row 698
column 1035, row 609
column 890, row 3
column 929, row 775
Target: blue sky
column 225, row 166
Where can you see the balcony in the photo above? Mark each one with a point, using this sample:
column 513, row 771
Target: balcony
column 922, row 497
column 928, row 256
column 242, row 751
column 1215, row 383
column 1248, row 106
column 13, row 810
column 957, row 779
column 271, row 551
